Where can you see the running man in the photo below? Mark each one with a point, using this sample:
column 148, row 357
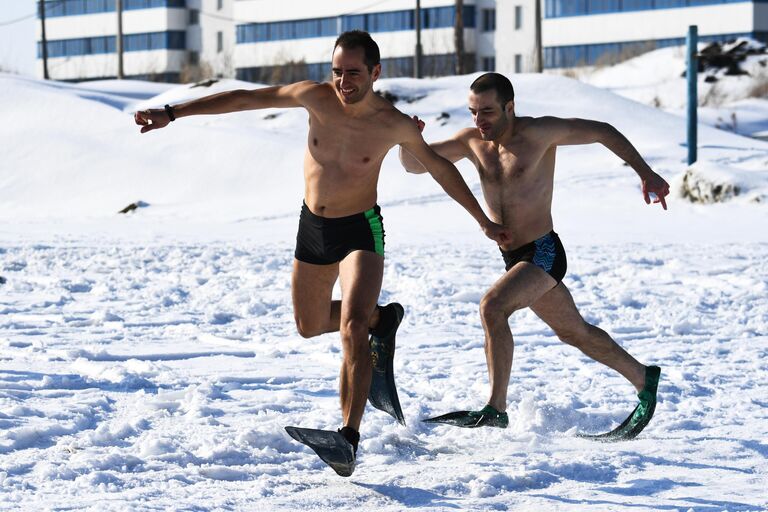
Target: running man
column 340, row 234
column 515, row 158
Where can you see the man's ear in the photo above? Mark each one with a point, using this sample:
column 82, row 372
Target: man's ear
column 509, row 108
column 376, row 72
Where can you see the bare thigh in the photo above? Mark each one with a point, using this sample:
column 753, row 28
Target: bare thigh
column 361, row 273
column 311, row 289
column 521, row 286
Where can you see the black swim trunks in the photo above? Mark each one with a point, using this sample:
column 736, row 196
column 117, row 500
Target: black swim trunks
column 547, row 253
column 326, row 240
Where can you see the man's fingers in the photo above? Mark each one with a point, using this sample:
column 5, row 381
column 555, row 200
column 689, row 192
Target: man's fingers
column 662, row 201
column 646, row 195
column 419, row 123
column 147, row 128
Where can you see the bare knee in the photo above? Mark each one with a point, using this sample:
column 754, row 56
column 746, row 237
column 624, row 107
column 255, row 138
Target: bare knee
column 354, row 336
column 307, row 328
column 493, row 309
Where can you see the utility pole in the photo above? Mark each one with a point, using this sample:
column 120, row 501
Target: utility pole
column 458, row 36
column 119, row 46
column 417, row 71
column 45, row 40
column 538, row 56
column 693, row 100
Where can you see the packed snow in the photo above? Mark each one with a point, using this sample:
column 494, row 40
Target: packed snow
column 149, row 361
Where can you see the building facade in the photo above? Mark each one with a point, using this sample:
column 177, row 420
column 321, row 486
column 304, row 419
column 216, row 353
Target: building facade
column 592, row 32
column 279, row 42
column 163, row 40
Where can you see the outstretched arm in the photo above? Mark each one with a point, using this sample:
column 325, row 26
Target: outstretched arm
column 584, row 131
column 448, row 177
column 284, row 96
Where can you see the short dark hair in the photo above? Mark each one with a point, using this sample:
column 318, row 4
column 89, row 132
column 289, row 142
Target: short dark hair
column 495, row 82
column 360, row 39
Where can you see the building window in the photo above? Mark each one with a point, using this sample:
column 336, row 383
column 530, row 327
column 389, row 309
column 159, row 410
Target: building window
column 55, row 8
column 172, row 40
column 518, row 17
column 558, row 8
column 194, row 17
column 433, row 17
column 194, row 58
column 591, row 54
column 489, row 20
column 219, row 41
column 220, row 5
column 489, row 63
column 518, row 63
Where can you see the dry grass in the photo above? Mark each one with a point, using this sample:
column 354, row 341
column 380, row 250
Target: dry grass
column 760, row 87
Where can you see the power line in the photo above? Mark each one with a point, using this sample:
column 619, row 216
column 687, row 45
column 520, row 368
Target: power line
column 11, row 22
column 23, row 18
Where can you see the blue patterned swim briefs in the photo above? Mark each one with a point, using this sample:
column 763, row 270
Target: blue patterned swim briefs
column 547, row 253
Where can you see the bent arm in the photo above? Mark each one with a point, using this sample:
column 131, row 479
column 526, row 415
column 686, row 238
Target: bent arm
column 449, row 178
column 453, row 150
column 584, row 131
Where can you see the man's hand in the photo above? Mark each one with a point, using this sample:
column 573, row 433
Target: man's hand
column 655, row 184
column 151, row 119
column 419, row 123
column 496, row 232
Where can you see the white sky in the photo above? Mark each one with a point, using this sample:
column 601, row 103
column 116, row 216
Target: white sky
column 17, row 40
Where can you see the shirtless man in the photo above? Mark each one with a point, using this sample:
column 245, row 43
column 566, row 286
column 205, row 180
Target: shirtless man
column 515, row 158
column 341, row 235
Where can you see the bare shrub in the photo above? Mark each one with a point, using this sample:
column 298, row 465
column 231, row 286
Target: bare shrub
column 759, row 88
column 191, row 73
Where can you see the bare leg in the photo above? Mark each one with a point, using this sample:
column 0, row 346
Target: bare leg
column 361, row 274
column 520, row 287
column 314, row 311
column 311, row 289
column 557, row 309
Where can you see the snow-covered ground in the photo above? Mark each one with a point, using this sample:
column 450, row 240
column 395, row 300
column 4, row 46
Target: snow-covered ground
column 149, row 361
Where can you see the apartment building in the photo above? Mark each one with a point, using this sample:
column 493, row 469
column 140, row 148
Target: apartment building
column 589, row 32
column 280, row 44
column 271, row 41
column 162, row 39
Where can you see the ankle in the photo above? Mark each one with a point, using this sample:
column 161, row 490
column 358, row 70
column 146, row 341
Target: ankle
column 351, row 435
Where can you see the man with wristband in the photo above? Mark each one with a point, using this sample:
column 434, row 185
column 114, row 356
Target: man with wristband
column 341, row 234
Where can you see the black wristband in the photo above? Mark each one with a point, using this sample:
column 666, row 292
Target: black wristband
column 169, row 111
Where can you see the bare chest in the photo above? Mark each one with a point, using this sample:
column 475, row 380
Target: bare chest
column 511, row 166
column 352, row 144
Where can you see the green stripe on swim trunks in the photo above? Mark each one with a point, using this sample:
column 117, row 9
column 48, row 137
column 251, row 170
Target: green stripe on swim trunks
column 377, row 230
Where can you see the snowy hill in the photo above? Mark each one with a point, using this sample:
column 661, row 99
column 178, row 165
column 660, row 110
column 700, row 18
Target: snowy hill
column 736, row 103
column 72, row 153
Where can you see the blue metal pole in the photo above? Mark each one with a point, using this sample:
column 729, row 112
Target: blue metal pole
column 692, row 73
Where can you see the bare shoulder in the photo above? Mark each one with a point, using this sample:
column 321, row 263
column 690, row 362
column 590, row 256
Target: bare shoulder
column 467, row 135
column 539, row 123
column 396, row 120
column 310, row 90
